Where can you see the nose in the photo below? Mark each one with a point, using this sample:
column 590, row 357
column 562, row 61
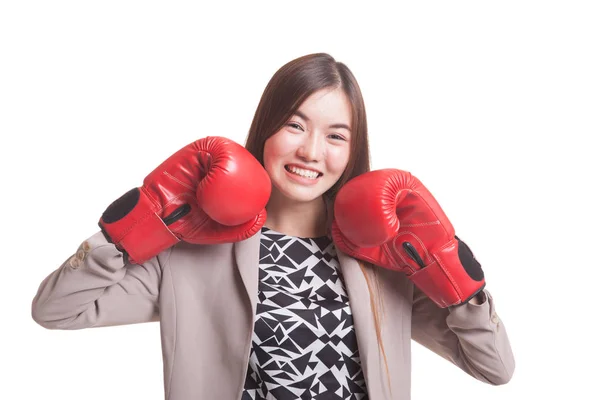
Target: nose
column 312, row 148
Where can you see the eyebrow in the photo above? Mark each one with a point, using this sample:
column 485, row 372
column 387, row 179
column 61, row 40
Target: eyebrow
column 303, row 116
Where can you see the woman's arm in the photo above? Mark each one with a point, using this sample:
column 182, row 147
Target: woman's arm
column 471, row 336
column 96, row 287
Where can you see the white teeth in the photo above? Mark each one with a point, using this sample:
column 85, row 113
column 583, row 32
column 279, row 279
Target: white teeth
column 303, row 172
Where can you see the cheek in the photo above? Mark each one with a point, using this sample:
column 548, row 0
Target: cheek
column 272, row 152
column 337, row 160
column 277, row 146
column 267, row 152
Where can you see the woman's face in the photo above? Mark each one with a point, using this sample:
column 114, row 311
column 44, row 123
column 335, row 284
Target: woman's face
column 309, row 154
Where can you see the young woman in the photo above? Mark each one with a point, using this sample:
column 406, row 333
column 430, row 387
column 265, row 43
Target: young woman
column 266, row 283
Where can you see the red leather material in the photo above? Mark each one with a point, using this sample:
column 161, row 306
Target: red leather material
column 225, row 187
column 147, row 234
column 377, row 213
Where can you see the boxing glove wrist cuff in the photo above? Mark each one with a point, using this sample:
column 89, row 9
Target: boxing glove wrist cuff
column 452, row 278
column 132, row 224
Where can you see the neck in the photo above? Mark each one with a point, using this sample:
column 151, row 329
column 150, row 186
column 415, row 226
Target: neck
column 302, row 219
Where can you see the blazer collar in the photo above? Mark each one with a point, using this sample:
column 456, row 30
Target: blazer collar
column 247, row 253
column 364, row 324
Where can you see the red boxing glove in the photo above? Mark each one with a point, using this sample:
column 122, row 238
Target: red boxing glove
column 211, row 191
column 388, row 218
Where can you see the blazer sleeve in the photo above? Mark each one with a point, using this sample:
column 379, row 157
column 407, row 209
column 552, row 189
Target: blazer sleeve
column 471, row 336
column 97, row 287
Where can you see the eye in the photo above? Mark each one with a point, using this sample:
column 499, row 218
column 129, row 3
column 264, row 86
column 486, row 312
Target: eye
column 337, row 137
column 294, row 125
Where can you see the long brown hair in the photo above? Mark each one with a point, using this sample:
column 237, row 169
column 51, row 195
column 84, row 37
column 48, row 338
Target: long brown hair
column 286, row 91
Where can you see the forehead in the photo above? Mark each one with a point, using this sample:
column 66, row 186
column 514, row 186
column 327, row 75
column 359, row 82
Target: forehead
column 328, row 105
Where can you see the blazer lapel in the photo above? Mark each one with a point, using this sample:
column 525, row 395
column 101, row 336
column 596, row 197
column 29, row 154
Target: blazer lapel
column 247, row 258
column 364, row 325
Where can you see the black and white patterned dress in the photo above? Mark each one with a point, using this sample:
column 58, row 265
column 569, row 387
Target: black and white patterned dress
column 304, row 345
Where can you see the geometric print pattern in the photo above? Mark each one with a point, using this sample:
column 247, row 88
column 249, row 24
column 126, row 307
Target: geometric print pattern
column 304, row 345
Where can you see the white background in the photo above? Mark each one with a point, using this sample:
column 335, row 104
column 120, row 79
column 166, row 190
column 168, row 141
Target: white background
column 495, row 106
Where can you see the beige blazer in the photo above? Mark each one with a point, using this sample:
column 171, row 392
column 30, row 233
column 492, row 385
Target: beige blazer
column 205, row 299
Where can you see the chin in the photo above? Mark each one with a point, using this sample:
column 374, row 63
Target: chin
column 301, row 194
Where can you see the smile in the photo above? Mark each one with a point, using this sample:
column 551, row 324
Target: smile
column 305, row 173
